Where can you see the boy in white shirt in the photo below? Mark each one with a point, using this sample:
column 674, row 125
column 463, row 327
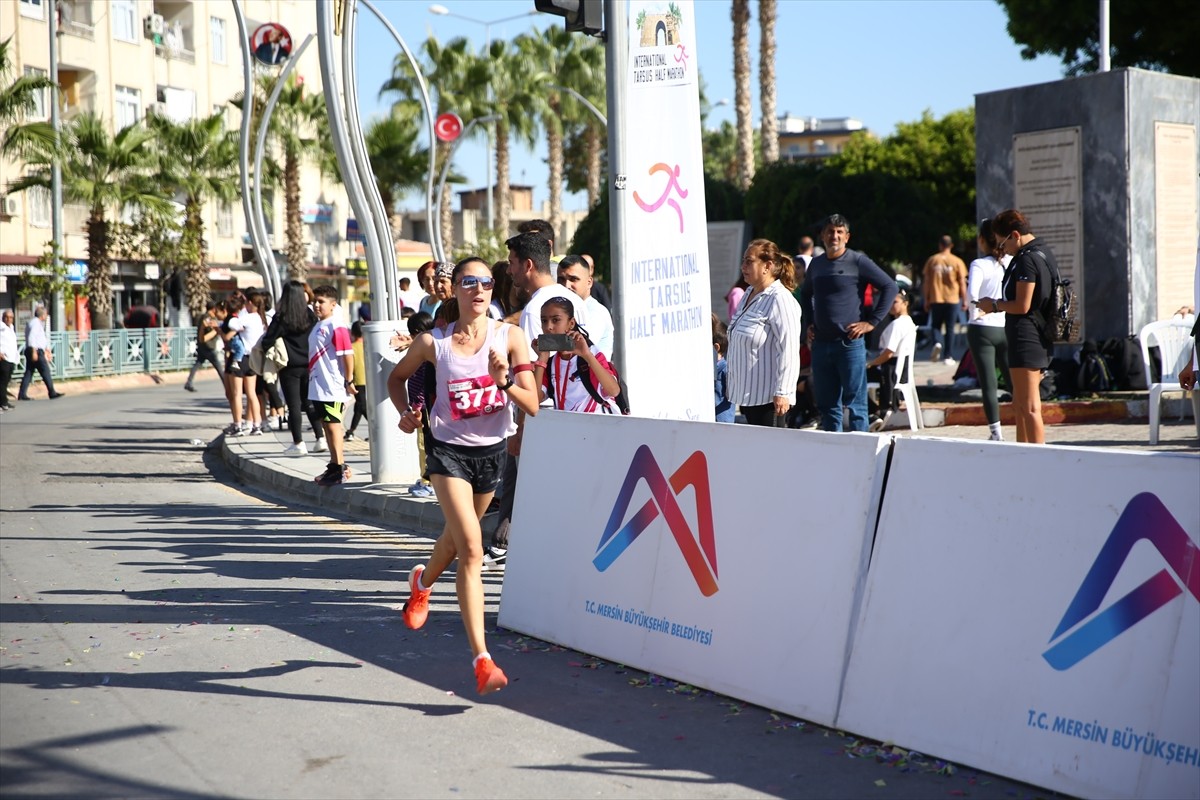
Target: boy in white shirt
column 331, row 378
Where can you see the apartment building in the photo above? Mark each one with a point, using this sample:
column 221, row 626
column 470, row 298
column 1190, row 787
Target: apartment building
column 123, row 59
column 810, row 138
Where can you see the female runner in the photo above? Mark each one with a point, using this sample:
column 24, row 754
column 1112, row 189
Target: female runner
column 482, row 369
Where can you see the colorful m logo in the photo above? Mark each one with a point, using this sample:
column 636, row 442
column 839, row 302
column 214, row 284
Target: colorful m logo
column 1145, row 517
column 700, row 552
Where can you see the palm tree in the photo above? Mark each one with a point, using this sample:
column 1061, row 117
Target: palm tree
column 595, row 132
column 519, row 98
column 18, row 98
column 107, row 174
column 396, row 161
column 458, row 78
column 294, row 129
column 741, row 79
column 197, row 160
column 569, row 62
column 766, row 80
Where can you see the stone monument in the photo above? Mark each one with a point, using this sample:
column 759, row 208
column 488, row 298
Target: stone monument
column 1105, row 167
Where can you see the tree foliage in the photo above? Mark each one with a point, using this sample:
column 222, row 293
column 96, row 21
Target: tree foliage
column 17, row 101
column 198, row 160
column 891, row 217
column 48, row 278
column 1161, row 36
column 934, row 155
column 720, row 146
column 106, row 173
column 457, row 78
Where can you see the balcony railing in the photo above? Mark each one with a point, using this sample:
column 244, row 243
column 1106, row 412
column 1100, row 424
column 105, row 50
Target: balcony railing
column 80, row 29
column 175, row 53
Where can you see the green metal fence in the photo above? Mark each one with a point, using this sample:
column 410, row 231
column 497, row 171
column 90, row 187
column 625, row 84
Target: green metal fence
column 118, row 352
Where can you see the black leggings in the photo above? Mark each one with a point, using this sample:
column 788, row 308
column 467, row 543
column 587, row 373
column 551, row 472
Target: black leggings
column 360, row 408
column 989, row 348
column 295, row 390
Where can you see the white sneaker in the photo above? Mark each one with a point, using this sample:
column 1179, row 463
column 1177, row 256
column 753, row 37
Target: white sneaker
column 936, row 355
column 950, row 362
column 321, row 446
column 494, row 558
column 299, row 449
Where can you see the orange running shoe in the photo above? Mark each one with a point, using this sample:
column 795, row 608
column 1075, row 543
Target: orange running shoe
column 488, row 677
column 417, row 607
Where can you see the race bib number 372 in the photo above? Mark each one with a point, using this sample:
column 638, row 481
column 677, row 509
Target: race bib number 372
column 474, row 397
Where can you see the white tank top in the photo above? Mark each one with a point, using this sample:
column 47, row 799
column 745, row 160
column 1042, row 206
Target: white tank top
column 470, row 410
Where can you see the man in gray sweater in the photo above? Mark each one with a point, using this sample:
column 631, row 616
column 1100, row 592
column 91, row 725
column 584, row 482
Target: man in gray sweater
column 836, row 320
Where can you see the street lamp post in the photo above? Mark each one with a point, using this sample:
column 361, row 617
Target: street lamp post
column 442, row 11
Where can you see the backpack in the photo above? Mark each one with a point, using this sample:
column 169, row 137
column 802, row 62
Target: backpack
column 584, row 373
column 1124, row 358
column 1059, row 316
column 1060, row 379
column 1094, row 375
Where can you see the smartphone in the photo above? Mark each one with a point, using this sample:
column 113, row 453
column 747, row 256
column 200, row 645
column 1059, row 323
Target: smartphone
column 553, row 342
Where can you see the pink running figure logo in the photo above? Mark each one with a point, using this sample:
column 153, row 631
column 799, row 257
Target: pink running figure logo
column 672, row 183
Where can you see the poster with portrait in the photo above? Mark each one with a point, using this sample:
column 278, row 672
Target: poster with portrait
column 271, row 44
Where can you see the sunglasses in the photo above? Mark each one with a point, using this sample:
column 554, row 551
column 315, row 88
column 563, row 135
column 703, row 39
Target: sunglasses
column 471, row 281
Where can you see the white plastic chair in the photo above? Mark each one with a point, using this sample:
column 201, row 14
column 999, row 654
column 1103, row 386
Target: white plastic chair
column 1173, row 339
column 907, row 389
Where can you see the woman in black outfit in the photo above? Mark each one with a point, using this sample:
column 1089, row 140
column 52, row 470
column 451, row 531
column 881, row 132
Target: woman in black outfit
column 1027, row 286
column 292, row 322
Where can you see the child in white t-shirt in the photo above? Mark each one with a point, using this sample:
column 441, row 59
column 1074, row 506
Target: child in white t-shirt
column 331, row 378
column 559, row 374
column 891, row 342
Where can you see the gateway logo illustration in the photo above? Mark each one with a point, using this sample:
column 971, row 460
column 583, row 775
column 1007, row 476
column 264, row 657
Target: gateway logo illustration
column 699, row 551
column 1145, row 517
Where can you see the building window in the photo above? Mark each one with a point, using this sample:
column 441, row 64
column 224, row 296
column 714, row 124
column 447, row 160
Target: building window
column 124, row 19
column 216, row 35
column 41, row 98
column 39, row 207
column 225, row 220
column 34, row 9
column 128, row 107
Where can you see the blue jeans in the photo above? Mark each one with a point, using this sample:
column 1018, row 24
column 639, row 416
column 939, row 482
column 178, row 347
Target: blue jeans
column 839, row 375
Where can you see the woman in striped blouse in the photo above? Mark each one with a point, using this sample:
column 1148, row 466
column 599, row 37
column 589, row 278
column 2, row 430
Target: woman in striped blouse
column 764, row 337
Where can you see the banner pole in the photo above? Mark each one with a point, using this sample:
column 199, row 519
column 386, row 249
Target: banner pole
column 616, row 36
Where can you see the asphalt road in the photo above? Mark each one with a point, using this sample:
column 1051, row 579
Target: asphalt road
column 165, row 634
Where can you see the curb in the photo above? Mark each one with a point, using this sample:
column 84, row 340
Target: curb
column 289, row 480
column 112, row 383
column 1065, row 413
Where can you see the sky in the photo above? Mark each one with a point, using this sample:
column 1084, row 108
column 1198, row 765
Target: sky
column 880, row 61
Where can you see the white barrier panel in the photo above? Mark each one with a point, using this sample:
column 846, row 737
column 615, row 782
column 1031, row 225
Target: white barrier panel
column 729, row 557
column 1032, row 611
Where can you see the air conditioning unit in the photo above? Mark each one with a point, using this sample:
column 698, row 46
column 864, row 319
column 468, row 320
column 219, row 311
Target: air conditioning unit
column 154, row 25
column 12, row 205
